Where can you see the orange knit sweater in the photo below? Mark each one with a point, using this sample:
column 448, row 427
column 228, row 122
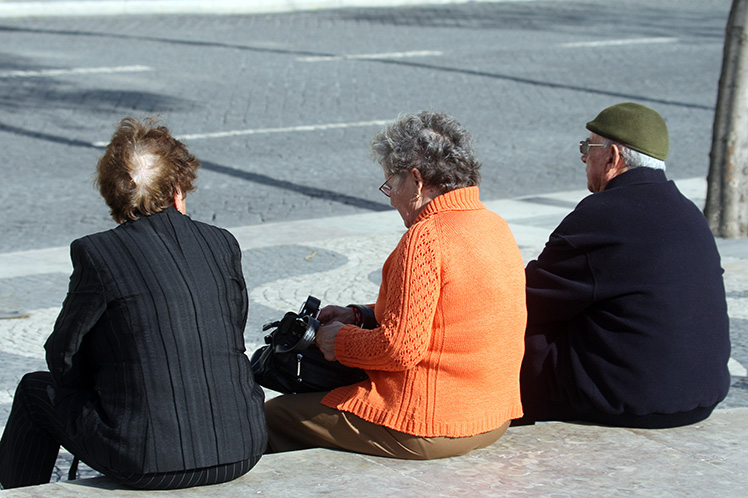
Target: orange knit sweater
column 445, row 360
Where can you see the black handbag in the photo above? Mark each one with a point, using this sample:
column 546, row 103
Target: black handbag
column 292, row 363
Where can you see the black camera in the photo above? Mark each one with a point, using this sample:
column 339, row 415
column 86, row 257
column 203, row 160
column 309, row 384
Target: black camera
column 291, row 363
column 296, row 331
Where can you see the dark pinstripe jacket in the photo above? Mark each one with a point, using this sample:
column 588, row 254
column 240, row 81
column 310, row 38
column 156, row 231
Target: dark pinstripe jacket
column 148, row 351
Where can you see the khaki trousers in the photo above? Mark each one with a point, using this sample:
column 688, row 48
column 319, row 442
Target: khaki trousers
column 301, row 421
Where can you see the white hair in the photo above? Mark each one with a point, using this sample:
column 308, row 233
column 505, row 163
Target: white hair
column 634, row 159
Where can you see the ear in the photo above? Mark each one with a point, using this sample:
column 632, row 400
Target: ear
column 616, row 164
column 179, row 201
column 418, row 179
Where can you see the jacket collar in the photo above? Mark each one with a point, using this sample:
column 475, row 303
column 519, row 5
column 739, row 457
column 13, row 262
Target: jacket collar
column 637, row 176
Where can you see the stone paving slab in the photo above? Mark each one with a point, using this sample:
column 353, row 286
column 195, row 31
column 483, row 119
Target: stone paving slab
column 553, row 459
column 337, row 259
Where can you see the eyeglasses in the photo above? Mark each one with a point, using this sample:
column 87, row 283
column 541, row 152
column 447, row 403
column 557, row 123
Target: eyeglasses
column 385, row 188
column 584, row 146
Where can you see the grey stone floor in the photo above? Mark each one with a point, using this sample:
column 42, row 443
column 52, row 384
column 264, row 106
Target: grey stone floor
column 337, row 259
column 549, row 460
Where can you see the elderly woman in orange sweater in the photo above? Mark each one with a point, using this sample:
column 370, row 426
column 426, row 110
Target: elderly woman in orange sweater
column 444, row 354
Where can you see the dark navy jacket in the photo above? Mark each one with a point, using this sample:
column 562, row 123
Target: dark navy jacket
column 627, row 299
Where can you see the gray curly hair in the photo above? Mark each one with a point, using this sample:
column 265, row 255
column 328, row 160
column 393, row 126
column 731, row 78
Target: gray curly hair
column 434, row 143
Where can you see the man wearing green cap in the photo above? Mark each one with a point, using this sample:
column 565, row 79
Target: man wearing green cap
column 627, row 319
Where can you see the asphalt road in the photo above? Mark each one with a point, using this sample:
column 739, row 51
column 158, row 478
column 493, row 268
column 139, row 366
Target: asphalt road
column 280, row 108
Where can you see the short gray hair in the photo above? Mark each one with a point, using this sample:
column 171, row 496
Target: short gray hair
column 434, row 143
column 634, row 159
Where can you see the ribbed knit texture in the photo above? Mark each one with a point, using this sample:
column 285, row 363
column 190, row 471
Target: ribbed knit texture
column 445, row 360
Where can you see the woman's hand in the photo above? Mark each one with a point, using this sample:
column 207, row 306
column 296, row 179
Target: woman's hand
column 333, row 313
column 325, row 339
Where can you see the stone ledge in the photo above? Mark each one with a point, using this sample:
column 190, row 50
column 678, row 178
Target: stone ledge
column 707, row 459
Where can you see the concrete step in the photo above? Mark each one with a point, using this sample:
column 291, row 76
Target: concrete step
column 559, row 459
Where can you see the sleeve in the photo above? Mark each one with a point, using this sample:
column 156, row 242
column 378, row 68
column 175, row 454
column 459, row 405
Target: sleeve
column 411, row 287
column 242, row 307
column 560, row 283
column 84, row 305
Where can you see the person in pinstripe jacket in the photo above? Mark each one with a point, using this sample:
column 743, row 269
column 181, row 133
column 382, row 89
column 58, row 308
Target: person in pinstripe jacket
column 148, row 382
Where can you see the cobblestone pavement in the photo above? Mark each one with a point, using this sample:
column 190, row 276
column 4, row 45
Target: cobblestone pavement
column 337, row 259
column 521, row 75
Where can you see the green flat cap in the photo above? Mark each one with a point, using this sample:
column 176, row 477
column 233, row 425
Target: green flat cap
column 634, row 125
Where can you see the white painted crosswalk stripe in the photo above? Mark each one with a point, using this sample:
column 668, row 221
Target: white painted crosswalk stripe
column 616, row 43
column 43, row 73
column 285, row 129
column 386, row 55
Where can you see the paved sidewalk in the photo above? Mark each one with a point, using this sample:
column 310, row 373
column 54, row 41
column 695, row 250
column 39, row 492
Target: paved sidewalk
column 337, row 259
column 549, row 460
